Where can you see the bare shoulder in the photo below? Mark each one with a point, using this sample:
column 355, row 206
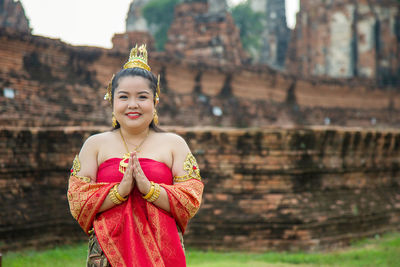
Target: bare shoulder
column 93, row 145
column 174, row 140
column 89, row 152
column 94, row 142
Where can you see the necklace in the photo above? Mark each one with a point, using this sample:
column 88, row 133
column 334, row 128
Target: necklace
column 123, row 164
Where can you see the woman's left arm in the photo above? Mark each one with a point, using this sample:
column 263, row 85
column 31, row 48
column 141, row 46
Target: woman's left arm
column 179, row 150
column 144, row 186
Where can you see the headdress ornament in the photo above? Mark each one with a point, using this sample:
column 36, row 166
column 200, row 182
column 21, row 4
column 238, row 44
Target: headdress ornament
column 137, row 59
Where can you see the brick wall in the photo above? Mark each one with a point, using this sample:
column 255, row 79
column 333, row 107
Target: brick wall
column 203, row 35
column 57, row 84
column 345, row 38
column 308, row 188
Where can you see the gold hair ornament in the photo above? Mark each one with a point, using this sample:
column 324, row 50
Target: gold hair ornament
column 108, row 95
column 137, row 59
column 155, row 117
column 114, row 121
column 158, row 91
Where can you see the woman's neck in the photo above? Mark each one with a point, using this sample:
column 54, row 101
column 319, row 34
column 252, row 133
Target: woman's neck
column 132, row 136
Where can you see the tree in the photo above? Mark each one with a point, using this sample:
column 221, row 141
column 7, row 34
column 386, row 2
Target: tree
column 160, row 14
column 250, row 25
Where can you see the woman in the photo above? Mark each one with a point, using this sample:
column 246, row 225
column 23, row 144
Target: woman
column 133, row 189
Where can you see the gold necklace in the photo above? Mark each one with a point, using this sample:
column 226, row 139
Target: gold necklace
column 123, row 164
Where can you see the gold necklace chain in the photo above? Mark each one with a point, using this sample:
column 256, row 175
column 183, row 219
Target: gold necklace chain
column 138, row 146
column 123, row 163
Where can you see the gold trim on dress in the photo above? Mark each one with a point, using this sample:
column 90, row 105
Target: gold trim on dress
column 76, row 167
column 192, row 169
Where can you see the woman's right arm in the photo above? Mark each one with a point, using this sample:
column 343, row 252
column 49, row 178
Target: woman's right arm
column 88, row 158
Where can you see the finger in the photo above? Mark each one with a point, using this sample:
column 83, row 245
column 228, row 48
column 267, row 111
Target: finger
column 138, row 168
column 129, row 169
column 135, row 161
column 130, row 159
column 129, row 164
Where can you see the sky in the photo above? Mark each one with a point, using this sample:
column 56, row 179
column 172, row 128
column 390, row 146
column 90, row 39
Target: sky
column 92, row 22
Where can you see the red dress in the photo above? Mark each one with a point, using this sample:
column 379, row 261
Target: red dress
column 136, row 232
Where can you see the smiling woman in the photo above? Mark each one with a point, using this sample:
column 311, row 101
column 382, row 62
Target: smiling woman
column 133, row 189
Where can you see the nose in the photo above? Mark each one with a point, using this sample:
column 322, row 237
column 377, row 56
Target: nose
column 132, row 103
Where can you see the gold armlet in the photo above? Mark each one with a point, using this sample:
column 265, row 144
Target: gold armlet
column 76, row 167
column 191, row 168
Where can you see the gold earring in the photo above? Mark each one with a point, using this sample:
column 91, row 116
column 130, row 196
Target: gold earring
column 155, row 117
column 114, row 121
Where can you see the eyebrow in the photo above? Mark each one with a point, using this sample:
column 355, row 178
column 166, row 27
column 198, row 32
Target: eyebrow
column 140, row 92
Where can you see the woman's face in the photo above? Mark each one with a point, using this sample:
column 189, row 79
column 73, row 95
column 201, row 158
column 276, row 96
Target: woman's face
column 133, row 102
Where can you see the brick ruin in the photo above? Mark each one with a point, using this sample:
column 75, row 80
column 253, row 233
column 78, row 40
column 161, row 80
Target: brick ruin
column 271, row 189
column 276, row 35
column 55, row 84
column 137, row 30
column 205, row 33
column 347, row 38
column 295, row 186
column 12, row 15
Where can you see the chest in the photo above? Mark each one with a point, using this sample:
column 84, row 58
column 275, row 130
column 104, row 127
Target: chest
column 156, row 150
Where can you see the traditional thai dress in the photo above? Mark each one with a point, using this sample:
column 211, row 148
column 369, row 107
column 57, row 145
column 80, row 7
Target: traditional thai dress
column 136, row 232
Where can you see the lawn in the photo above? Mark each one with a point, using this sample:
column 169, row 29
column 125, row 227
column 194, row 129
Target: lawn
column 379, row 251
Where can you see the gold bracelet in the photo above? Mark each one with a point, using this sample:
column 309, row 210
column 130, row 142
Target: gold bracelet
column 150, row 193
column 156, row 194
column 113, row 196
column 120, row 198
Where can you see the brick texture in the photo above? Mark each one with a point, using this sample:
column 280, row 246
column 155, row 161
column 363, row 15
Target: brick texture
column 57, row 84
column 271, row 189
column 200, row 36
column 347, row 38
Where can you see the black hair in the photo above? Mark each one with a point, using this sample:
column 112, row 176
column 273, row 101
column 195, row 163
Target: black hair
column 136, row 72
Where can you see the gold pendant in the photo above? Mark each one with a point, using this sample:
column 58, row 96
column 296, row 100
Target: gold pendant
column 123, row 163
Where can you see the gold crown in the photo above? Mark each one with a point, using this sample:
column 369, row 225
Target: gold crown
column 137, row 59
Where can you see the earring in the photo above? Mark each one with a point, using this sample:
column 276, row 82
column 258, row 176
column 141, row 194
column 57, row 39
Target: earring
column 155, row 117
column 114, row 121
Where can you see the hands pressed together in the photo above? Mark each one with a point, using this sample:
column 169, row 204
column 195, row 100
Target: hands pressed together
column 134, row 175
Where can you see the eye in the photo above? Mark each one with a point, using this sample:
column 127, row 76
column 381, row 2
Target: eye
column 143, row 97
column 122, row 97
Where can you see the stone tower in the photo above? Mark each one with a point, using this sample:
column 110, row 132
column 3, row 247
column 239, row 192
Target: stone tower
column 135, row 20
column 347, row 39
column 276, row 34
column 217, row 6
column 137, row 30
column 205, row 32
column 12, row 15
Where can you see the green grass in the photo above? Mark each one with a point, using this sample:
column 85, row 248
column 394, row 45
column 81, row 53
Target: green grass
column 380, row 251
